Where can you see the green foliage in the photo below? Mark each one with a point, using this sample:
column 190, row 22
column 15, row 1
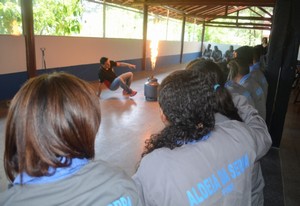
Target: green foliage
column 232, row 36
column 10, row 18
column 51, row 17
column 54, row 17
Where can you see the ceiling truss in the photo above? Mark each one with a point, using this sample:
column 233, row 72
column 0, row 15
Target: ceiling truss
column 216, row 13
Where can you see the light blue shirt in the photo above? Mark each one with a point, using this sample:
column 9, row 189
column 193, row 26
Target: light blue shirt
column 58, row 173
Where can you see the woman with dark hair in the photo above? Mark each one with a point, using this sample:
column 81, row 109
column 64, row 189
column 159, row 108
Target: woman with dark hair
column 201, row 156
column 232, row 86
column 242, row 77
column 228, row 108
column 49, row 147
column 224, row 98
column 257, row 69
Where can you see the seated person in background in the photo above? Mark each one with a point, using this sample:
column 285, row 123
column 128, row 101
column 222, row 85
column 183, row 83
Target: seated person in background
column 256, row 69
column 50, row 146
column 229, row 54
column 108, row 76
column 201, row 156
column 216, row 54
column 207, row 52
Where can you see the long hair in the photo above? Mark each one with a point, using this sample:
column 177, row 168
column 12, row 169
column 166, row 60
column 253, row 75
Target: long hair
column 224, row 101
column 233, row 67
column 188, row 102
column 52, row 116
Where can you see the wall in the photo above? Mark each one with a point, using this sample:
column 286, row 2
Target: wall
column 80, row 56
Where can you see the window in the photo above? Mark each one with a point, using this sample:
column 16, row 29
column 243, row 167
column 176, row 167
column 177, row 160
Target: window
column 123, row 23
column 193, row 32
column 92, row 20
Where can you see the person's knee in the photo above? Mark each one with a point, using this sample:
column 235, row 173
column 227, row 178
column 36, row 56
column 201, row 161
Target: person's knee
column 130, row 73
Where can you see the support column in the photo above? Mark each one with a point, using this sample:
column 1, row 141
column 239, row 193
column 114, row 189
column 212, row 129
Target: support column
column 145, row 30
column 202, row 37
column 28, row 32
column 182, row 38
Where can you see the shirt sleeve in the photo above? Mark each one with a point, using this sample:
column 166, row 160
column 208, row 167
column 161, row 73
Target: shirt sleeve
column 100, row 75
column 113, row 64
column 256, row 124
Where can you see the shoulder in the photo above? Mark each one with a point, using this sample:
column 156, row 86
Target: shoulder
column 90, row 184
column 106, row 170
column 233, row 134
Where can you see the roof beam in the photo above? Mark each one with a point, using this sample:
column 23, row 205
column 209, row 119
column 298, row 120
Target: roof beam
column 240, row 24
column 265, row 11
column 240, row 27
column 234, row 17
column 208, row 2
column 255, row 12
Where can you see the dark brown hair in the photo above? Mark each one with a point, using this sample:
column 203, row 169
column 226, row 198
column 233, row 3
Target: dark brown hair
column 188, row 102
column 223, row 98
column 52, row 116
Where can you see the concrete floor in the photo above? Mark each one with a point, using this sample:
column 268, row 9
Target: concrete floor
column 128, row 122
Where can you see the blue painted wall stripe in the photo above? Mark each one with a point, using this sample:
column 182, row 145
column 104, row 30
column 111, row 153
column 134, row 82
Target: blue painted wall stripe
column 11, row 83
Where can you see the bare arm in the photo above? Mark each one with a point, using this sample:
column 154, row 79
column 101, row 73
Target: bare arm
column 123, row 64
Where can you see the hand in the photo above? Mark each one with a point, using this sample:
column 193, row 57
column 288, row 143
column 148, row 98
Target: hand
column 132, row 66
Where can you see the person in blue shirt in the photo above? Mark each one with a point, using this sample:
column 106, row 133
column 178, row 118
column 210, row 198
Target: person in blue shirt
column 256, row 69
column 243, row 76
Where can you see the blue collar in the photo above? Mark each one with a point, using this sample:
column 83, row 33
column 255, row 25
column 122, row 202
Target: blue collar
column 242, row 80
column 228, row 83
column 205, row 137
column 254, row 67
column 60, row 173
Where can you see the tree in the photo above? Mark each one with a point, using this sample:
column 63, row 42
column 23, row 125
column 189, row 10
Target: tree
column 55, row 17
column 51, row 17
column 10, row 18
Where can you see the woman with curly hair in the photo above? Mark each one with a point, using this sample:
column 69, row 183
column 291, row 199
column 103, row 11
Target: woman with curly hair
column 50, row 147
column 201, row 156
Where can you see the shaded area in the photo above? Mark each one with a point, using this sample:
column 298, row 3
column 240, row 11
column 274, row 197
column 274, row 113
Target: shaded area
column 271, row 169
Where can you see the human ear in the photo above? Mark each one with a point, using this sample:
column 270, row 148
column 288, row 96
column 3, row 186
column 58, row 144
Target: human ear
column 163, row 117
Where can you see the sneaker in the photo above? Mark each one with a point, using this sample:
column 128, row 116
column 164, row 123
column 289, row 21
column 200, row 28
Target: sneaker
column 125, row 93
column 133, row 93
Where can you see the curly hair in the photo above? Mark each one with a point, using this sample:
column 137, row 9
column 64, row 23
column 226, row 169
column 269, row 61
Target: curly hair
column 223, row 96
column 188, row 101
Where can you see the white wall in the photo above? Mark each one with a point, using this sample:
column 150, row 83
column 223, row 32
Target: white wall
column 71, row 51
column 190, row 47
column 12, row 54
